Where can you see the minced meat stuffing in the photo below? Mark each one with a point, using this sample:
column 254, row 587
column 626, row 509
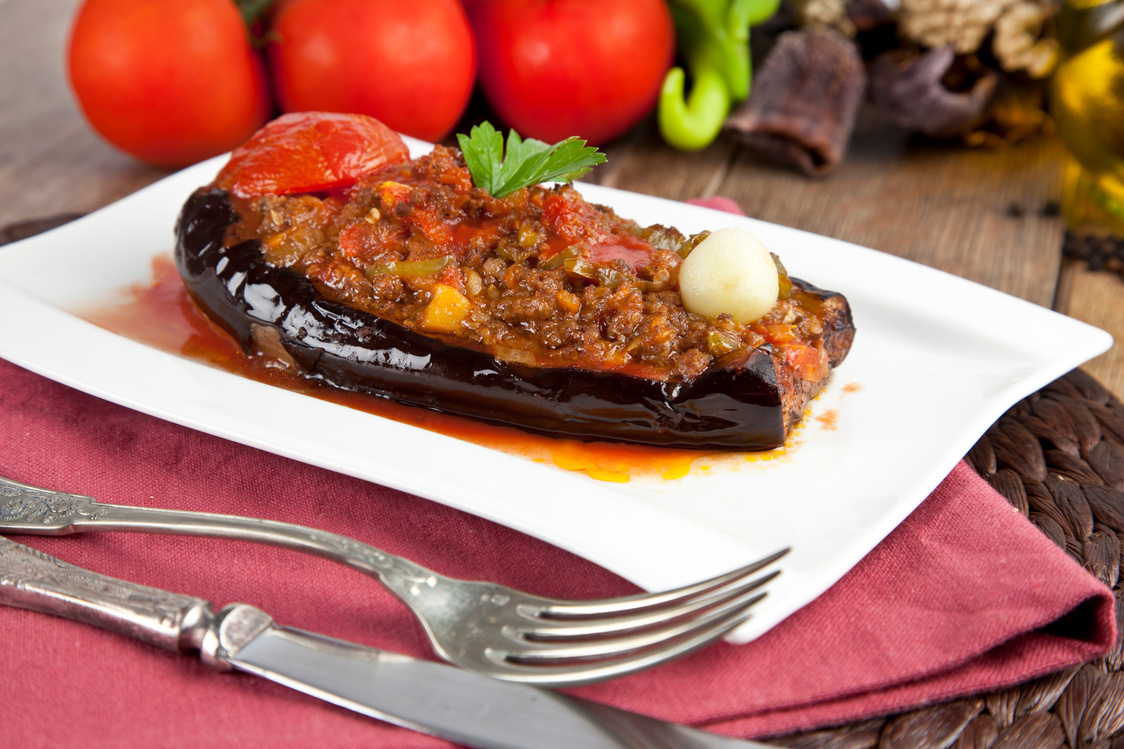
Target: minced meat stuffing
column 540, row 277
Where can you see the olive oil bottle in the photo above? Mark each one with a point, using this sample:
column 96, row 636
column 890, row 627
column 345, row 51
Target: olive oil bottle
column 1087, row 103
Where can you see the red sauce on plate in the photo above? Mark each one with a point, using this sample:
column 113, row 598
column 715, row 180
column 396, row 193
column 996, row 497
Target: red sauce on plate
column 161, row 314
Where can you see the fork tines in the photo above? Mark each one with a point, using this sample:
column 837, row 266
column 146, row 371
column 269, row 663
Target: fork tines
column 576, row 642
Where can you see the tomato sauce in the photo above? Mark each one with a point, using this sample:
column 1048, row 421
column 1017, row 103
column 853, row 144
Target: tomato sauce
column 162, row 315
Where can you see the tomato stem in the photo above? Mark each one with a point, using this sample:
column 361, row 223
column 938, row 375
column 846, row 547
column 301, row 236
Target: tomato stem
column 252, row 10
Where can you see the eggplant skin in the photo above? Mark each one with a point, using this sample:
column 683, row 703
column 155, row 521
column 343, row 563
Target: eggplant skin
column 739, row 405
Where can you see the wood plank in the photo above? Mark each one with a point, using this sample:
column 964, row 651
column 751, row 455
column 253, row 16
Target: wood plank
column 1097, row 297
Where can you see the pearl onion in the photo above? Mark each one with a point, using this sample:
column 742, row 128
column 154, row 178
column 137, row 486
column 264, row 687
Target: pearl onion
column 732, row 272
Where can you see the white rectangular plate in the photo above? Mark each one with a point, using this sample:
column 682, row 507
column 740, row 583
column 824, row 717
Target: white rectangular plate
column 936, row 361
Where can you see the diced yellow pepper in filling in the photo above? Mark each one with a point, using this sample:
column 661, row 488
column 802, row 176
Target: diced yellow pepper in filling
column 446, row 310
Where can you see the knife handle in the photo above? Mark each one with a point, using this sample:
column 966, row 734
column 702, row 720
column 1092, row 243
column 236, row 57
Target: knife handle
column 32, row 580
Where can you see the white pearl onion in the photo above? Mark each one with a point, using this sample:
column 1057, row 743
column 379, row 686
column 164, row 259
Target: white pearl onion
column 732, row 272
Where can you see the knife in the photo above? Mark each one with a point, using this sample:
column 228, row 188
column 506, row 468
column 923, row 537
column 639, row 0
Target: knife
column 464, row 707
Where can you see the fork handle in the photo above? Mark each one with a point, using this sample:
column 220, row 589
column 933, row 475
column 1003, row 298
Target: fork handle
column 32, row 580
column 41, row 512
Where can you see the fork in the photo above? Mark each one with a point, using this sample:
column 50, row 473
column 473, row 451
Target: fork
column 480, row 626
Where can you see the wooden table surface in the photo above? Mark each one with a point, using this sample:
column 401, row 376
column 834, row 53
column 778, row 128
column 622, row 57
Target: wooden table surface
column 945, row 206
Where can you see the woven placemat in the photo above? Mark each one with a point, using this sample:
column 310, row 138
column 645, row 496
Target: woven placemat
column 1057, row 456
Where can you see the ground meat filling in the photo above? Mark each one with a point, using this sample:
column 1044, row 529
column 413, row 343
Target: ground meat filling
column 541, row 277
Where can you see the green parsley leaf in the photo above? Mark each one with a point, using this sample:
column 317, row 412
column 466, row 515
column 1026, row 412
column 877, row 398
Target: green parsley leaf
column 527, row 162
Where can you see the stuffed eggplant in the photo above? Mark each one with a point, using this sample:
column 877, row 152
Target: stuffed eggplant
column 405, row 280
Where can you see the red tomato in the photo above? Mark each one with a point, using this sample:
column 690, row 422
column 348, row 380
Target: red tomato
column 171, row 83
column 410, row 64
column 556, row 68
column 309, row 152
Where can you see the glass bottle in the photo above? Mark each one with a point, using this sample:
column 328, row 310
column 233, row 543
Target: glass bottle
column 1087, row 104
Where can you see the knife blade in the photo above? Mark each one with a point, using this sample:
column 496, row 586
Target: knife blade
column 464, row 707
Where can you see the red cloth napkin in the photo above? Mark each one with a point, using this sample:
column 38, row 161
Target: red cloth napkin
column 965, row 596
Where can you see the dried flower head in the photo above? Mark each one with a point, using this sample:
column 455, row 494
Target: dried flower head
column 966, row 24
column 1018, row 42
column 825, row 14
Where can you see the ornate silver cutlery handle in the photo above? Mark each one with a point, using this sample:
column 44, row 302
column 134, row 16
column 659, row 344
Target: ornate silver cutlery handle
column 32, row 580
column 41, row 512
column 478, row 625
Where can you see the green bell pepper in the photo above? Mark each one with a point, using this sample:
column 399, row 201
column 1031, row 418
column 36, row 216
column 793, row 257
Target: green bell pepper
column 713, row 38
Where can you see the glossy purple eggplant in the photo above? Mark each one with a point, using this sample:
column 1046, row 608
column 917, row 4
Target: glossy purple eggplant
column 739, row 405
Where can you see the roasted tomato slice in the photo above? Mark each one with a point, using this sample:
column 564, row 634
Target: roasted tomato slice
column 310, row 152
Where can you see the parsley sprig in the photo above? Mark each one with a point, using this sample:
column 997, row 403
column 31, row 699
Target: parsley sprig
column 527, row 162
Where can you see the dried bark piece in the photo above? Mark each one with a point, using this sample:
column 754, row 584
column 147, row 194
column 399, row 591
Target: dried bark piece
column 938, row 725
column 804, row 101
column 911, row 92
